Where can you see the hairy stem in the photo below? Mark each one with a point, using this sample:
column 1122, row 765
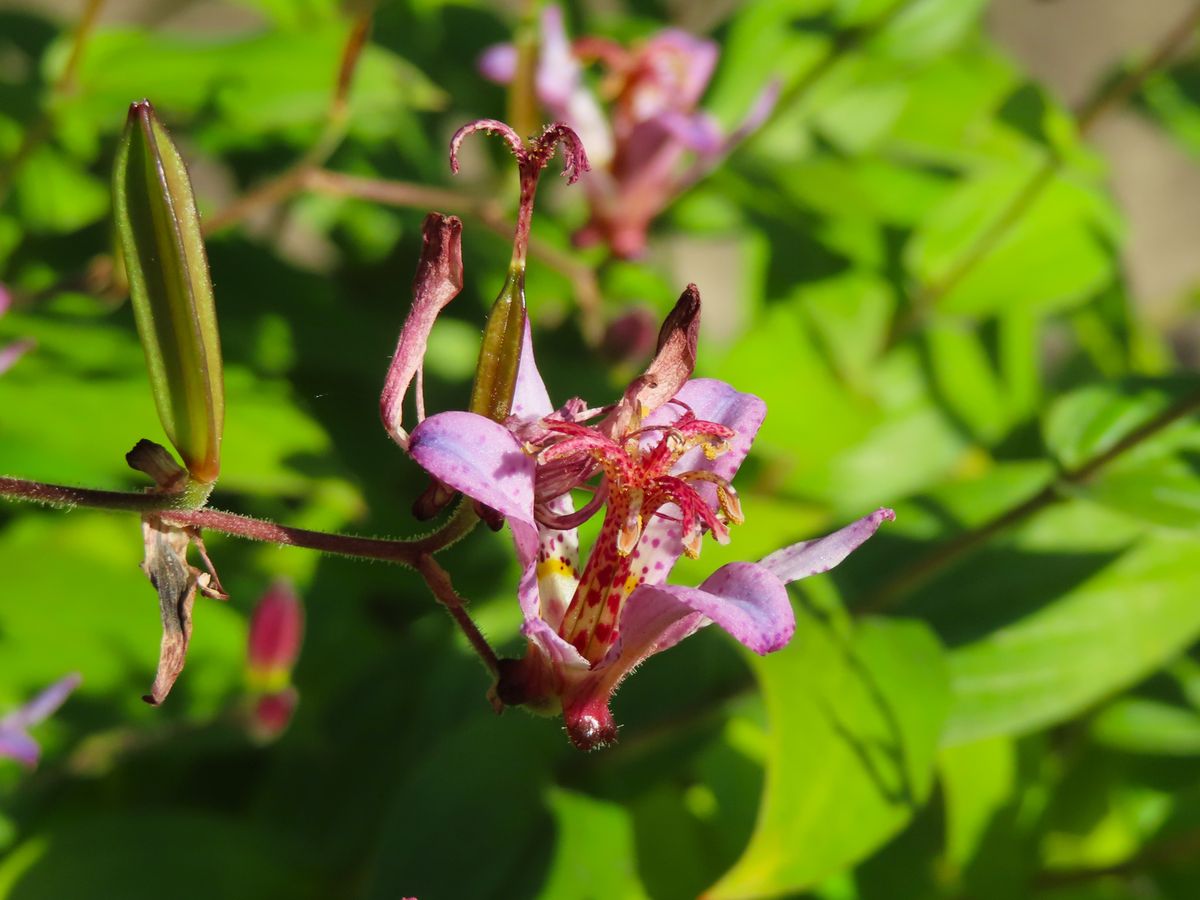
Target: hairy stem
column 168, row 507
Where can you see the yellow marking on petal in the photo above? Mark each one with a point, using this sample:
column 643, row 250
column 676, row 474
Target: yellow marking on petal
column 554, row 566
column 631, row 582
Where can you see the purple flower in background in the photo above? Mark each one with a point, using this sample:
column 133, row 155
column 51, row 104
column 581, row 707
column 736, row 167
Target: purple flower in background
column 655, row 140
column 15, row 742
column 659, row 462
column 10, row 353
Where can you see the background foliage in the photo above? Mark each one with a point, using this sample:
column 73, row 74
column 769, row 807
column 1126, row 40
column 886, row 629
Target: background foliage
column 916, row 263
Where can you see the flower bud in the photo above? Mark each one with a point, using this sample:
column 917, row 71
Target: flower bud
column 276, row 632
column 158, row 232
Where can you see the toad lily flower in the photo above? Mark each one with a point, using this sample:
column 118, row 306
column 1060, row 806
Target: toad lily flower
column 660, row 462
column 641, row 151
column 15, row 742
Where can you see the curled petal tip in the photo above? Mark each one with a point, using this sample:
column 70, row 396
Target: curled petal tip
column 491, row 126
column 575, row 160
column 884, row 514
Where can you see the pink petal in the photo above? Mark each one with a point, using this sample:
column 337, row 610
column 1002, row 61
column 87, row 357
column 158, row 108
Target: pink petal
column 19, row 746
column 479, row 457
column 713, row 401
column 530, row 397
column 498, row 63
column 820, row 555
column 743, row 598
column 561, row 90
column 482, row 459
column 12, row 352
column 43, row 705
column 685, row 66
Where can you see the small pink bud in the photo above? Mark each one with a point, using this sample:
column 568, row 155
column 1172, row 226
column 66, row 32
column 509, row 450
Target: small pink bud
column 276, row 632
column 272, row 713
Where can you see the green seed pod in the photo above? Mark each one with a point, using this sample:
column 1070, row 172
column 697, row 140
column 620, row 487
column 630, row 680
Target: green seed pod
column 500, row 353
column 158, row 231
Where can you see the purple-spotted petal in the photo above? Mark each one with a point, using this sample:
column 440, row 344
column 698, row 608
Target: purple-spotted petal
column 822, row 554
column 42, row 706
column 743, row 598
column 479, row 457
column 15, row 744
column 712, row 401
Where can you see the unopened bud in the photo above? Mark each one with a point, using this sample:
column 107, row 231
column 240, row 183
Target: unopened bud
column 158, row 232
column 276, row 633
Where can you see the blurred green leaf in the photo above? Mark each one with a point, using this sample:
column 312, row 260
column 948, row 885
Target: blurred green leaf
column 1054, row 254
column 853, row 725
column 57, row 194
column 190, row 855
column 1142, row 725
column 977, row 780
column 239, row 77
column 1104, row 634
column 593, row 854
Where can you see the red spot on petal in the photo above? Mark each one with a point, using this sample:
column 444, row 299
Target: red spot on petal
column 593, row 597
column 614, row 601
column 603, row 633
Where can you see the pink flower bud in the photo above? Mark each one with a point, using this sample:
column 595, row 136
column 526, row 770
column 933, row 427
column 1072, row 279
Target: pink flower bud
column 276, row 632
column 272, row 713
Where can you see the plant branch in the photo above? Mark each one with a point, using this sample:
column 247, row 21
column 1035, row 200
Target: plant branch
column 485, row 210
column 42, row 127
column 921, row 571
column 439, row 582
column 1110, row 97
column 168, row 508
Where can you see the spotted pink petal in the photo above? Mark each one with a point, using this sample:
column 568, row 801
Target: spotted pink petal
column 478, row 457
column 713, row 401
column 743, row 598
column 820, row 555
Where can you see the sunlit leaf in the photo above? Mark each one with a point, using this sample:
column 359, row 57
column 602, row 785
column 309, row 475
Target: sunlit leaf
column 854, row 721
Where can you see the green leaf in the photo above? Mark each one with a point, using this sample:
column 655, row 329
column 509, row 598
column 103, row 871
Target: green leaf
column 853, row 726
column 1090, row 421
column 159, row 232
column 1141, row 725
column 56, row 194
column 1098, row 637
column 977, row 781
column 578, row 871
column 1016, row 236
column 1158, row 479
column 237, row 77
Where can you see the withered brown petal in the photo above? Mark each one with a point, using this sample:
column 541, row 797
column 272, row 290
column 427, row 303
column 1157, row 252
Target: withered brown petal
column 157, row 462
column 439, row 280
column 669, row 371
column 176, row 582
